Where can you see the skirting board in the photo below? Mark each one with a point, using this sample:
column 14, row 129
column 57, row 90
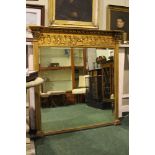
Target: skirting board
column 124, row 108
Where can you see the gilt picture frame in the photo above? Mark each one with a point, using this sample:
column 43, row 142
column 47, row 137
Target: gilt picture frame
column 118, row 19
column 73, row 13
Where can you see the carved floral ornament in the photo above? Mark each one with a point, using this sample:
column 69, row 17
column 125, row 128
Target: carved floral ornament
column 45, row 36
column 46, row 39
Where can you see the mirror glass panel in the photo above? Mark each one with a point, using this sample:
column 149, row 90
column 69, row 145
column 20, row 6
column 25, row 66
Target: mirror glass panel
column 55, row 69
column 78, row 88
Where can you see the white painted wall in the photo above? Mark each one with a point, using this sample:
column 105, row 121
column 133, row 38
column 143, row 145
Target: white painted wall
column 91, row 52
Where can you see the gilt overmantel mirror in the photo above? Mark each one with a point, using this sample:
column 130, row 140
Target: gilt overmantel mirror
column 80, row 72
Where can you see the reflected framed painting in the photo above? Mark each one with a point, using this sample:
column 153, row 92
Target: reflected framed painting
column 118, row 19
column 73, row 13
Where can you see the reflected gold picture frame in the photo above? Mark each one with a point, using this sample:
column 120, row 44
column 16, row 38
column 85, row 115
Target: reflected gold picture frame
column 54, row 22
column 114, row 13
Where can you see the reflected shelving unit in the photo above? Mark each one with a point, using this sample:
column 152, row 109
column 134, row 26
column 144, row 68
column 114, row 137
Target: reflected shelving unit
column 60, row 69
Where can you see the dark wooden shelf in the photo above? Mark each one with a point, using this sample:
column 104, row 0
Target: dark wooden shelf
column 79, row 66
column 108, row 100
column 108, row 64
column 95, row 76
column 54, row 68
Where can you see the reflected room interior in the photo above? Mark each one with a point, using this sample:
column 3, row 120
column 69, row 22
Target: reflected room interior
column 78, row 88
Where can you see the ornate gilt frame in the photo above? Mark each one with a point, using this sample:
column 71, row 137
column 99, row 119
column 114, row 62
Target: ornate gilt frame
column 66, row 23
column 116, row 9
column 63, row 37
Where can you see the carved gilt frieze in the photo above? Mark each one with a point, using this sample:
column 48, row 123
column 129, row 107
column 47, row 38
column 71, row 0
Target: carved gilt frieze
column 74, row 40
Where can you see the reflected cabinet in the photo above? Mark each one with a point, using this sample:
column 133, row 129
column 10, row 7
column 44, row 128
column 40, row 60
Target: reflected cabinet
column 101, row 84
column 60, row 58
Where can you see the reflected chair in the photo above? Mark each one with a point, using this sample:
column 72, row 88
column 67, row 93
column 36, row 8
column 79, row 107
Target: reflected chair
column 53, row 98
column 44, row 99
column 57, row 98
column 82, row 88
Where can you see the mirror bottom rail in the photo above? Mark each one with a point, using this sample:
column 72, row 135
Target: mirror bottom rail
column 67, row 130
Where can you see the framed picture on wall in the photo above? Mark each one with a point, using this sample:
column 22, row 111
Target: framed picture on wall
column 73, row 13
column 35, row 15
column 118, row 19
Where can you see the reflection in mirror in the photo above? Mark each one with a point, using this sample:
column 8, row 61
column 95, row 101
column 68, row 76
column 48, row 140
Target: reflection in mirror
column 79, row 64
column 78, row 90
column 55, row 69
column 102, row 78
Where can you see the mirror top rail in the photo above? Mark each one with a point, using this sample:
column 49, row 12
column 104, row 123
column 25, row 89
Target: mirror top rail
column 74, row 37
column 43, row 29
